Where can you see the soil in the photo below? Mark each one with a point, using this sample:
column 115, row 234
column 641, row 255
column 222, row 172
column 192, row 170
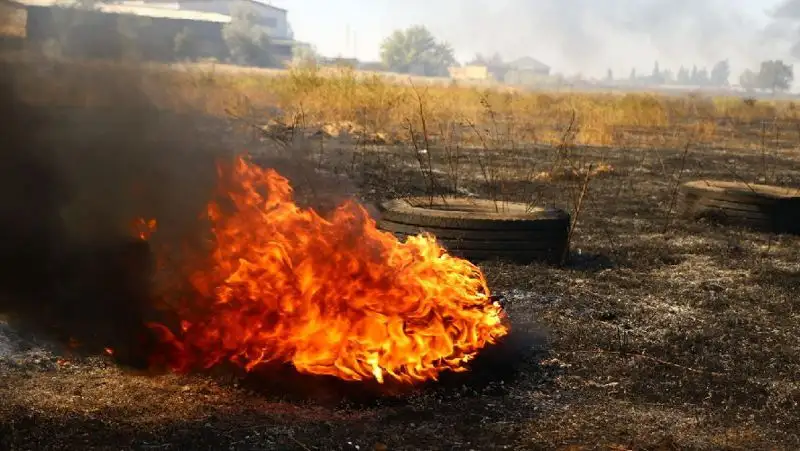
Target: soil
column 660, row 333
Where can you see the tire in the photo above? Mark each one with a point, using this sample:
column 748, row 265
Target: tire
column 763, row 208
column 479, row 229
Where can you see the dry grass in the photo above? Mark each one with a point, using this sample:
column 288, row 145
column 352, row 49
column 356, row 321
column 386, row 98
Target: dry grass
column 662, row 333
column 377, row 106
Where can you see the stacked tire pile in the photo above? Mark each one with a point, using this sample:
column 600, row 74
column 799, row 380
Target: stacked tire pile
column 480, row 230
column 763, row 208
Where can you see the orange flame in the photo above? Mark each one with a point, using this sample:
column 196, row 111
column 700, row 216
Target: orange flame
column 332, row 296
column 144, row 229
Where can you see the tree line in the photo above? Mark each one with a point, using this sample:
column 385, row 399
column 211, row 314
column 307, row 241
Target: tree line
column 772, row 75
column 717, row 76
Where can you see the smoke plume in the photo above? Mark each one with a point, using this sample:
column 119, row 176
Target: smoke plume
column 72, row 182
column 584, row 35
column 590, row 36
column 786, row 24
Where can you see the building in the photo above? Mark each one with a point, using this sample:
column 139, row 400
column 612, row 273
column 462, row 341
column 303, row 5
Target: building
column 274, row 19
column 526, row 71
column 470, row 72
column 12, row 20
column 521, row 71
column 528, row 64
column 158, row 33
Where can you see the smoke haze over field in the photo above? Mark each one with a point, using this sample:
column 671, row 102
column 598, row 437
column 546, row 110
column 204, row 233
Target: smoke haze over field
column 572, row 36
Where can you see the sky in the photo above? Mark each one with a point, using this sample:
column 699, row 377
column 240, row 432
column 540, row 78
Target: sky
column 572, row 36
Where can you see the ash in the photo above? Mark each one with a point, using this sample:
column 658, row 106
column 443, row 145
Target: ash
column 19, row 352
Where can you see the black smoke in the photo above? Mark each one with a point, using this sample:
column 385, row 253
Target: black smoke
column 76, row 173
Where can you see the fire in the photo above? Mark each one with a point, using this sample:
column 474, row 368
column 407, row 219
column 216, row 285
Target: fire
column 144, row 229
column 330, row 295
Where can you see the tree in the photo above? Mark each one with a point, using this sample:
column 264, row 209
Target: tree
column 248, row 43
column 632, row 76
column 415, row 50
column 74, row 34
column 609, row 75
column 775, row 75
column 655, row 76
column 693, row 74
column 683, row 76
column 185, row 44
column 305, row 55
column 748, row 80
column 701, row 77
column 720, row 73
column 133, row 33
column 493, row 61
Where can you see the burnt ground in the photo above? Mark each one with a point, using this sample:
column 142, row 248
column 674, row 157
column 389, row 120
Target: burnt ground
column 660, row 333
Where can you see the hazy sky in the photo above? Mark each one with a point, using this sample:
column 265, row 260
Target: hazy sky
column 570, row 35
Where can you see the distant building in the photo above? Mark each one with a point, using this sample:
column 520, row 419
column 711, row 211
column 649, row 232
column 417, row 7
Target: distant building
column 12, row 20
column 166, row 19
column 520, row 71
column 271, row 17
column 528, row 64
column 470, row 72
column 526, row 71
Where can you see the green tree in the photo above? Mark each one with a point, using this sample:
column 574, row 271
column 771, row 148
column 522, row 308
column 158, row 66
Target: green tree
column 683, row 77
column 701, row 77
column 775, row 75
column 492, row 61
column 656, row 76
column 720, row 73
column 748, row 80
column 135, row 34
column 248, row 43
column 305, row 55
column 185, row 44
column 72, row 27
column 415, row 50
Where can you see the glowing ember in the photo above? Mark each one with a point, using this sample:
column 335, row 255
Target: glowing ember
column 332, row 296
column 144, row 229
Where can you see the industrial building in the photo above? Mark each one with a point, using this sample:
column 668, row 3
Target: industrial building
column 154, row 27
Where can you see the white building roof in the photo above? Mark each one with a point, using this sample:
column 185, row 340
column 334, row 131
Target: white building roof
column 163, row 11
column 266, row 3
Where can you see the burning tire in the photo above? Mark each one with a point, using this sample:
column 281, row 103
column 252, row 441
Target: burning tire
column 479, row 229
column 760, row 207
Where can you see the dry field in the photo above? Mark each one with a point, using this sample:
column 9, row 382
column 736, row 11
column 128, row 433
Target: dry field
column 660, row 333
